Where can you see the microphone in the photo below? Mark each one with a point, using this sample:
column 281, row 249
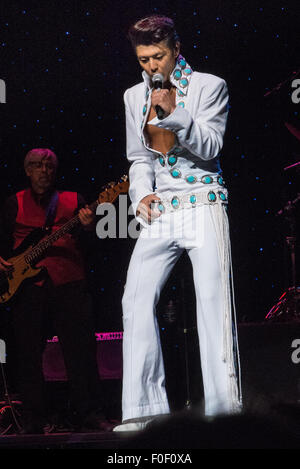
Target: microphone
column 158, row 81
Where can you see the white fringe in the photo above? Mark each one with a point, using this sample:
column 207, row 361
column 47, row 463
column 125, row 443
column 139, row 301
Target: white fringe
column 221, row 223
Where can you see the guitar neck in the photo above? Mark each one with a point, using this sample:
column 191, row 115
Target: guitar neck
column 109, row 195
column 45, row 243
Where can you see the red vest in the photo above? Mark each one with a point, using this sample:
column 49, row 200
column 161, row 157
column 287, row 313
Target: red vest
column 63, row 259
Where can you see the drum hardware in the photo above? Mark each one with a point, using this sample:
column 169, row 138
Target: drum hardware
column 288, row 305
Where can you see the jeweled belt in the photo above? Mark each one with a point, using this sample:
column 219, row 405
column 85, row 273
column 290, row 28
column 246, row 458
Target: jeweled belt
column 178, row 202
column 189, row 178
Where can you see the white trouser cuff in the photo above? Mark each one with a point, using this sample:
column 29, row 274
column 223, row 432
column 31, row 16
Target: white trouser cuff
column 145, row 411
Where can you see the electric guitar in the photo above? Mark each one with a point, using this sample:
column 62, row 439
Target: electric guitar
column 33, row 247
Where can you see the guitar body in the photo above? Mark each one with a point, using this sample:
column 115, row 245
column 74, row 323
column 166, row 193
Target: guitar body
column 21, row 270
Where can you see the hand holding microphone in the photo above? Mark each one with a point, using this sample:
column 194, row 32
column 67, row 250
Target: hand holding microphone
column 158, row 81
column 161, row 100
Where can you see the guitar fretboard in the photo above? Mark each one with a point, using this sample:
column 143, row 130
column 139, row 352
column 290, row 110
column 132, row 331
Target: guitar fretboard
column 8, row 279
column 45, row 243
column 109, row 195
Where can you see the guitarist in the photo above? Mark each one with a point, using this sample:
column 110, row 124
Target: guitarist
column 59, row 294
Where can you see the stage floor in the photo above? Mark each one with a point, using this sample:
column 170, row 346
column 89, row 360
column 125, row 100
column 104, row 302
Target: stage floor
column 97, row 440
column 270, row 363
column 184, row 433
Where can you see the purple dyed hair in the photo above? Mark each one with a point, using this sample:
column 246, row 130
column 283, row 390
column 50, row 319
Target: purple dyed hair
column 153, row 29
column 38, row 154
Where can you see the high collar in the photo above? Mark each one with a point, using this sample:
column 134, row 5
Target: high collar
column 180, row 76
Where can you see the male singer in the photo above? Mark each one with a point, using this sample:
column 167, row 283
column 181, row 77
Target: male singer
column 174, row 137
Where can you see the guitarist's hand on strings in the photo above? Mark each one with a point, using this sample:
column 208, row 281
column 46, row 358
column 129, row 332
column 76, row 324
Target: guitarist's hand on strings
column 4, row 266
column 86, row 217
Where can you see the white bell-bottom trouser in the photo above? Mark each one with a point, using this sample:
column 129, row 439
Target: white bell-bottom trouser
column 155, row 254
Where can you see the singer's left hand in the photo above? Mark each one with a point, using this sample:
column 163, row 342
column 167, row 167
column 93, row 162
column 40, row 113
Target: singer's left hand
column 163, row 99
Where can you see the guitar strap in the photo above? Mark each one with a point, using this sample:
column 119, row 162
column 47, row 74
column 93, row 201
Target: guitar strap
column 51, row 211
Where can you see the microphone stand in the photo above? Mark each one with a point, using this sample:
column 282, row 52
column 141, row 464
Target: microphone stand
column 186, row 356
column 8, row 404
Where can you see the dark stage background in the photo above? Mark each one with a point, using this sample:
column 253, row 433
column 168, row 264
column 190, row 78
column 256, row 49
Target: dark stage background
column 66, row 66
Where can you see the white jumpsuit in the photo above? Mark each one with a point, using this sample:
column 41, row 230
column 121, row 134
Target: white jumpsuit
column 188, row 181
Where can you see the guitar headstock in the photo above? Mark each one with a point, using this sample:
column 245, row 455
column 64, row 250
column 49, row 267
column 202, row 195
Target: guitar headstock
column 113, row 189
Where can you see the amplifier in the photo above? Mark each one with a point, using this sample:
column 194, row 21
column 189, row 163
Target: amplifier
column 269, row 352
column 109, row 357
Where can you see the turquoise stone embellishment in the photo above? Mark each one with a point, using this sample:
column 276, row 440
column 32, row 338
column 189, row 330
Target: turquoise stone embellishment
column 181, row 104
column 220, row 181
column 144, row 109
column 184, row 82
column 175, row 173
column 193, row 199
column 172, row 160
column 176, row 150
column 180, row 93
column 211, row 196
column 207, row 179
column 177, row 74
column 182, row 63
column 187, row 71
column 222, row 196
column 162, row 161
column 191, row 179
column 161, row 207
column 175, row 202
